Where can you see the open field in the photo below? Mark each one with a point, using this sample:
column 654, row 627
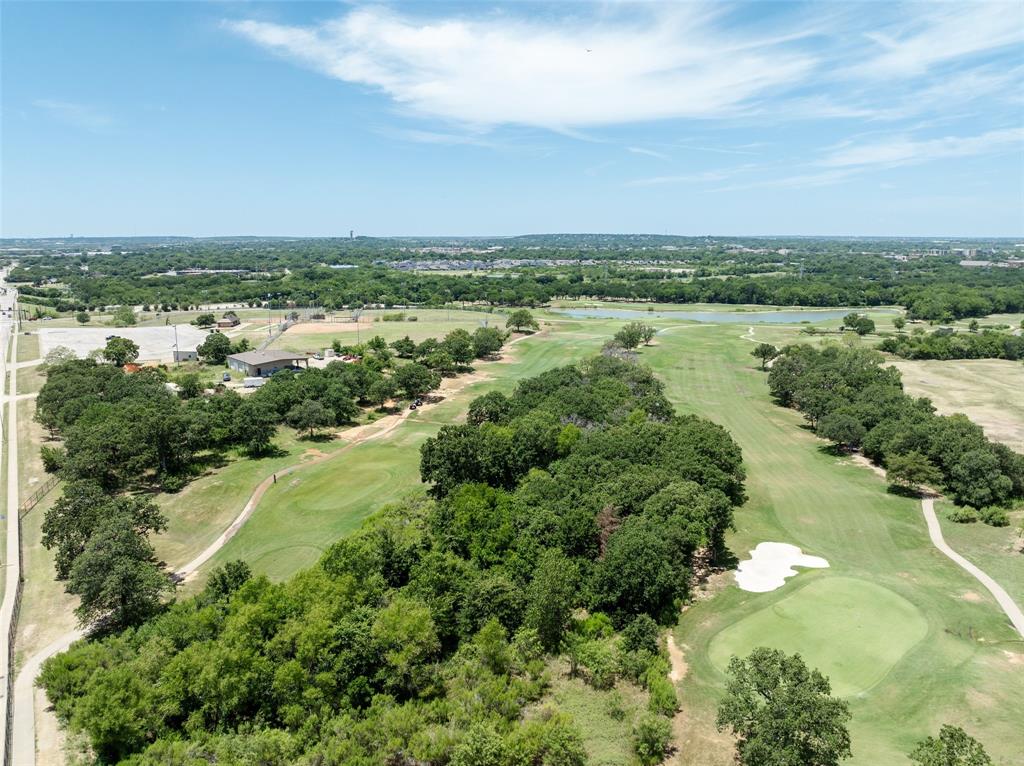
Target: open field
column 801, row 494
column 430, row 323
column 989, row 391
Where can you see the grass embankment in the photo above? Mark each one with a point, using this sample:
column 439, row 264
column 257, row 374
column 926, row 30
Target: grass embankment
column 966, row 667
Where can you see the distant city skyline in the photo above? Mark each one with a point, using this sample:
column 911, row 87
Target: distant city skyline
column 469, row 119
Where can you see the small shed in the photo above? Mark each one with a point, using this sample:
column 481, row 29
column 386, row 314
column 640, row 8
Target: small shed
column 185, row 355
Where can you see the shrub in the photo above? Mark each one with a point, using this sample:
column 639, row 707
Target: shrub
column 994, row 516
column 616, row 709
column 641, row 633
column 651, row 736
column 53, row 458
column 597, row 625
column 173, row 483
column 963, row 515
column 663, row 696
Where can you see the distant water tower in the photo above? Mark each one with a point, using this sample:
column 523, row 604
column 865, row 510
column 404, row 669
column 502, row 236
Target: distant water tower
column 351, row 234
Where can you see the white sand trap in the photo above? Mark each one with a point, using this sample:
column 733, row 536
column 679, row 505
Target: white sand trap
column 770, row 564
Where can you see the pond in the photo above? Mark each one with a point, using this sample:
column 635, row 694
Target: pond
column 793, row 316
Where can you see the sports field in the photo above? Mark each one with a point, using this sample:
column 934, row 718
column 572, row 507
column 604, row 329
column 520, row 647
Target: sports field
column 430, row 323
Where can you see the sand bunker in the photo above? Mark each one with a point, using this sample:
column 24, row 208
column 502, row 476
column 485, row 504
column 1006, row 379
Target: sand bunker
column 770, row 564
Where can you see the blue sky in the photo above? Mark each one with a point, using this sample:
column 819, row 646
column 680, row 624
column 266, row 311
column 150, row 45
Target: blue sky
column 313, row 119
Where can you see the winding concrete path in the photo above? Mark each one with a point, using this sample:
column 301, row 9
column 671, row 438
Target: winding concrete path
column 1007, row 604
column 24, row 746
column 1001, row 596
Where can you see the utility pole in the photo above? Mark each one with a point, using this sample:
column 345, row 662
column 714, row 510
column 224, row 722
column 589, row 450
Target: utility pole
column 177, row 359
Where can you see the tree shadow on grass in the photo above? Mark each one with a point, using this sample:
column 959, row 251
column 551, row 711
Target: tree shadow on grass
column 271, row 450
column 901, row 491
column 834, row 450
column 318, row 438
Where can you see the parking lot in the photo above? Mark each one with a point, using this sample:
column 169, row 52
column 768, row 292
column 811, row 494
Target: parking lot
column 155, row 343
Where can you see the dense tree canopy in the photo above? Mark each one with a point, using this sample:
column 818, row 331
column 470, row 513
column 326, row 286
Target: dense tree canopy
column 850, row 398
column 422, row 637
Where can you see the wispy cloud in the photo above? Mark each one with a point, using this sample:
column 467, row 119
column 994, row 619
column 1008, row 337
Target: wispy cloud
column 701, row 177
column 904, row 150
column 79, row 115
column 647, row 152
column 657, row 62
column 932, row 34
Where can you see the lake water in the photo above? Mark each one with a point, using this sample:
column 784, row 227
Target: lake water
column 718, row 317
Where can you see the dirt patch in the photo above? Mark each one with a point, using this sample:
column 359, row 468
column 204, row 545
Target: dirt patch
column 325, row 328
column 1014, row 658
column 971, row 596
column 313, row 452
column 677, row 661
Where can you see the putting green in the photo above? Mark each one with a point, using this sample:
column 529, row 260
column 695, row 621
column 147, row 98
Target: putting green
column 853, row 631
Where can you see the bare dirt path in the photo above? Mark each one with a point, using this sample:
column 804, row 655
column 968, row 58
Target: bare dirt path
column 676, row 660
column 25, row 724
column 1007, row 604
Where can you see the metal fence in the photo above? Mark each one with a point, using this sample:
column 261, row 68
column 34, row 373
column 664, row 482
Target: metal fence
column 38, row 495
column 277, row 333
column 11, row 632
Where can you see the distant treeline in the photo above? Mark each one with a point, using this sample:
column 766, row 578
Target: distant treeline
column 946, row 344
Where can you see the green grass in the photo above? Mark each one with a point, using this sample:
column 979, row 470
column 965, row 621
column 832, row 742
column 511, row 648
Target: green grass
column 999, row 551
column 30, row 379
column 28, row 347
column 874, row 626
column 966, row 670
column 606, row 738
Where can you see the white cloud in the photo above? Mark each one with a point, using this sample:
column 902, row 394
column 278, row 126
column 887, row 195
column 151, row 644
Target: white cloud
column 936, row 33
column 659, row 62
column 903, row 150
column 79, row 115
column 702, row 177
column 646, row 152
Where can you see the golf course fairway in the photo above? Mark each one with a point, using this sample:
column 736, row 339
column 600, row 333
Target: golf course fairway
column 852, row 630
